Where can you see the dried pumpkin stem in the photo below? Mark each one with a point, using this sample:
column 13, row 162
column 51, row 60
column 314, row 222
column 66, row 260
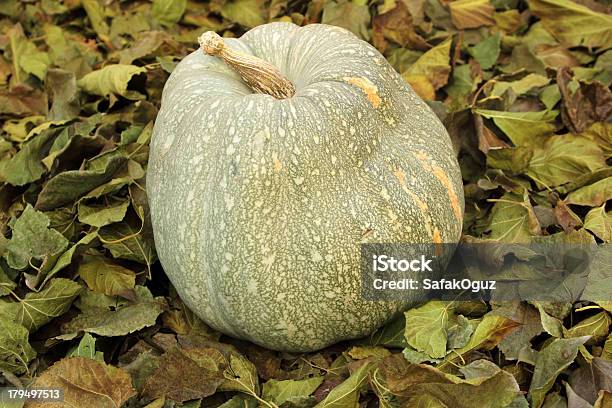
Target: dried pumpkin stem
column 260, row 75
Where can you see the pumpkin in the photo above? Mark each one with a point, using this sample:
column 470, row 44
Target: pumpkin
column 274, row 156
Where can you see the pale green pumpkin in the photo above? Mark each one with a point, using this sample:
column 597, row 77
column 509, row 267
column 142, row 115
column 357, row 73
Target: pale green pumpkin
column 259, row 205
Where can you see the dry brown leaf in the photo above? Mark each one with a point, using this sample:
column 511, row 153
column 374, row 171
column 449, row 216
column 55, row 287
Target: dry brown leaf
column 86, row 383
column 471, row 13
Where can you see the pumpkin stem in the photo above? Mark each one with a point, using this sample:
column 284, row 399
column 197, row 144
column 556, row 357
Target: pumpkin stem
column 260, row 75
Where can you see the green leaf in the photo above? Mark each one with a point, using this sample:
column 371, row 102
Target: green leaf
column 95, row 12
column 99, row 216
column 593, row 195
column 599, row 222
column 524, row 85
column 33, row 240
column 70, row 55
column 279, row 392
column 241, row 375
column 607, row 349
column 6, row 284
column 168, row 12
column 462, row 83
column 523, row 128
column 248, row 13
column 418, row 357
column 551, row 324
column 596, row 326
column 126, row 240
column 550, row 96
column 26, row 166
column 124, row 320
column 391, row 334
column 550, row 362
column 105, row 277
column 63, row 261
column 15, row 350
column 486, row 52
column 18, row 129
column 513, row 159
column 112, row 80
column 346, row 395
column 512, row 219
column 529, row 326
column 69, row 185
column 87, row 348
column 561, row 159
column 427, row 327
column 38, row 309
column 574, row 24
column 240, row 401
column 352, row 15
column 491, row 330
column 459, row 332
column 26, row 56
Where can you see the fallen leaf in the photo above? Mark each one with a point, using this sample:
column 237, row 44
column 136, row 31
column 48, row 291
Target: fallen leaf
column 39, row 308
column 396, row 25
column 561, row 159
column 32, row 240
column 593, row 195
column 26, row 166
column 512, row 219
column 71, row 185
column 15, row 350
column 248, row 13
column 434, row 65
column 279, row 392
column 62, row 87
column 168, row 12
column 181, row 378
column 427, row 326
column 100, row 216
column 112, row 80
column 22, row 100
column 125, row 319
column 471, row 13
column 592, row 378
column 596, row 326
column 550, row 362
column 85, row 382
column 87, row 348
column 590, row 103
column 352, row 15
column 95, row 13
column 487, row 51
column 347, row 393
column 523, row 128
column 105, row 277
column 489, row 333
column 566, row 20
column 599, row 222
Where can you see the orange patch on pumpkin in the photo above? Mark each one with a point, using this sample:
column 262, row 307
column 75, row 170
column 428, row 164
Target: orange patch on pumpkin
column 367, row 87
column 277, row 165
column 452, row 195
column 401, row 177
column 437, row 240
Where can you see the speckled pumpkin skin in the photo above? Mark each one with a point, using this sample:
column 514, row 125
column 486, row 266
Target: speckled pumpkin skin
column 259, row 205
